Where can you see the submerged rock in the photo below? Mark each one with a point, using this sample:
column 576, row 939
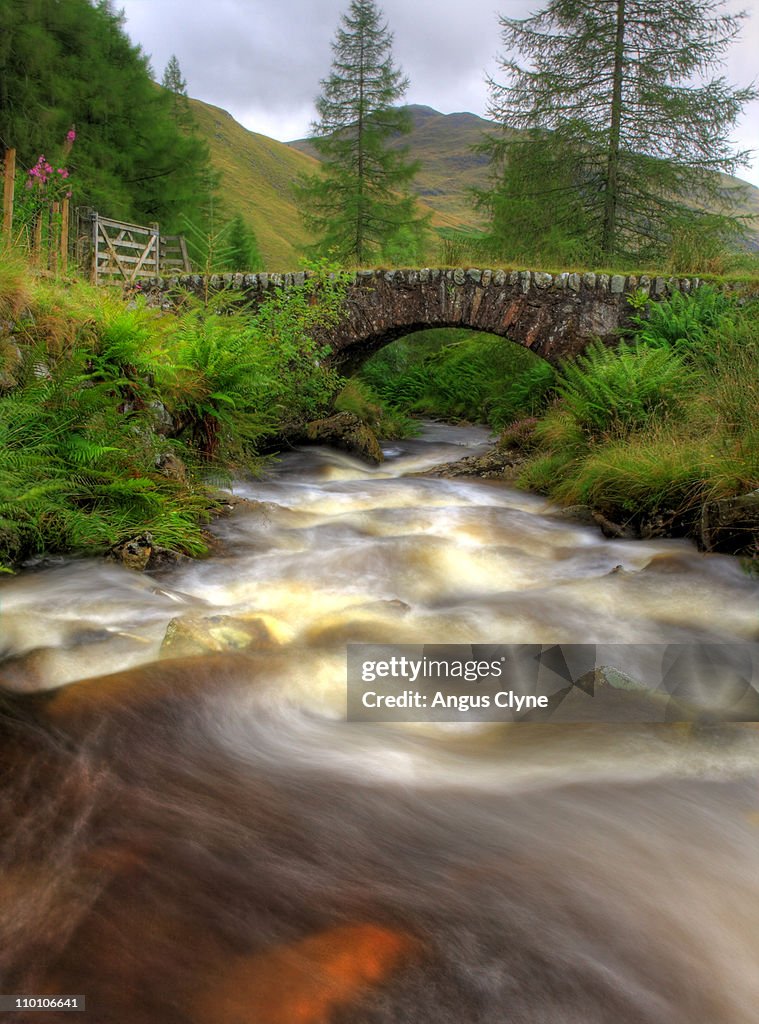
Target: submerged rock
column 496, row 464
column 141, row 553
column 367, row 624
column 615, row 531
column 165, row 558
column 134, row 553
column 731, row 525
column 345, row 430
column 576, row 513
column 193, row 635
column 392, row 605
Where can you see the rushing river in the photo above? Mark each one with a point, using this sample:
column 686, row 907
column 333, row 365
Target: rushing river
column 193, row 838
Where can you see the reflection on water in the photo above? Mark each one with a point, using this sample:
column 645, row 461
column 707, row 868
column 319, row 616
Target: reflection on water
column 206, row 839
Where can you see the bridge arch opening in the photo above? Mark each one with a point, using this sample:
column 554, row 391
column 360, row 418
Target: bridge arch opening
column 351, row 358
column 458, row 374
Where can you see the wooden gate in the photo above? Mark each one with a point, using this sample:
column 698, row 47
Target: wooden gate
column 117, row 251
column 174, row 258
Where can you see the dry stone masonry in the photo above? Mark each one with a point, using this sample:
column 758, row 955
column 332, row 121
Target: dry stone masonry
column 554, row 315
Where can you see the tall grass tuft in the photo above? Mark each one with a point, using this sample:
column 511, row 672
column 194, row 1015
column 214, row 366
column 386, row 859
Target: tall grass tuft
column 15, row 284
column 663, row 423
column 388, row 422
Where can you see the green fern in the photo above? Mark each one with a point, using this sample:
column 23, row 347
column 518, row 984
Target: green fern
column 685, row 323
column 611, row 390
column 460, row 374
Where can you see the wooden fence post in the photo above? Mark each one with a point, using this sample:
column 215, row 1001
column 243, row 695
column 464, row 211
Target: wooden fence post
column 53, row 239
column 9, row 183
column 185, row 256
column 156, row 232
column 94, row 253
column 64, row 235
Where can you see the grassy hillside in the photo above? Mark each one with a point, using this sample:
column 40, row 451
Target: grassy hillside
column 256, row 181
column 257, row 175
column 443, row 145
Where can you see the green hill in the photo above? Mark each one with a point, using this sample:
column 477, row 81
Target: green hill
column 750, row 208
column 256, row 180
column 257, row 175
column 443, row 145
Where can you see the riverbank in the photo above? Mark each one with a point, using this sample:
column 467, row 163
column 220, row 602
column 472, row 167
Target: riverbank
column 727, row 525
column 118, row 421
column 656, row 437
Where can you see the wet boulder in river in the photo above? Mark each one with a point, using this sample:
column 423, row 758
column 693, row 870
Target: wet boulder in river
column 345, row 430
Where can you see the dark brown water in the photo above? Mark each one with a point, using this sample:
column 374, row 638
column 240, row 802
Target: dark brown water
column 206, row 840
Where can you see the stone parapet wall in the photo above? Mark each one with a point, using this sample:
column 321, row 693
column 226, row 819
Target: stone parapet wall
column 554, row 315
column 614, row 284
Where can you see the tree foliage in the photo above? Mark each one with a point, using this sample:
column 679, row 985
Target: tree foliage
column 71, row 62
column 242, row 246
column 459, row 373
column 359, row 205
column 614, row 135
column 173, row 78
column 232, row 247
column 174, row 81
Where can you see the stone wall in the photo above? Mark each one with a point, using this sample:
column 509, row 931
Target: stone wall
column 554, row 315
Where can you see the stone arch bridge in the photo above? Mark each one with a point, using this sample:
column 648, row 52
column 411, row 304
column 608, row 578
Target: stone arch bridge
column 554, row 315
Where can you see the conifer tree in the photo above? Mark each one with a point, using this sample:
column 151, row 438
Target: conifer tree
column 359, row 203
column 172, row 77
column 241, row 246
column 175, row 83
column 619, row 131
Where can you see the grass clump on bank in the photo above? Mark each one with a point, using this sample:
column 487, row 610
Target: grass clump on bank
column 96, row 394
column 663, row 424
column 387, row 421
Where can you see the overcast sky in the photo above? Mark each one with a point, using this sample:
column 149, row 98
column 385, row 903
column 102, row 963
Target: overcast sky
column 262, row 60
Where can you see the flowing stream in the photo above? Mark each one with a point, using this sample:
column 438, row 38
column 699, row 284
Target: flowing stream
column 201, row 838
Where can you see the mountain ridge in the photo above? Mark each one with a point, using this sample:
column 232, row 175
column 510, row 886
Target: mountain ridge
column 442, row 143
